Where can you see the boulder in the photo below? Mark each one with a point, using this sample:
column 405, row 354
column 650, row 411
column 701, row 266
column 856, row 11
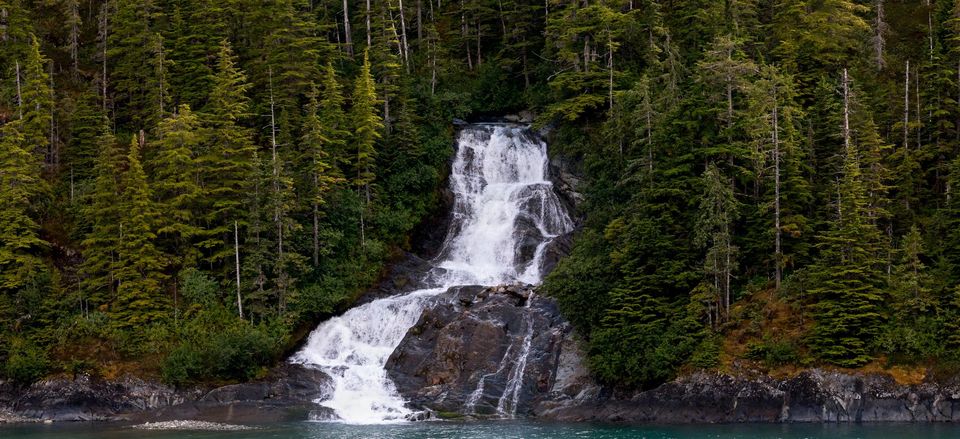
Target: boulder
column 480, row 351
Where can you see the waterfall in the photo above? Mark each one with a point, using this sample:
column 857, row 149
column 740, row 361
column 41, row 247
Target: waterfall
column 505, row 213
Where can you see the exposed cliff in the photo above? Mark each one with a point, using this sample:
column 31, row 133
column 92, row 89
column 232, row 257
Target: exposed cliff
column 467, row 352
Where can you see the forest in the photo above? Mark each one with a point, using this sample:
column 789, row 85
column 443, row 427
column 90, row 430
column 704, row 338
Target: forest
column 187, row 186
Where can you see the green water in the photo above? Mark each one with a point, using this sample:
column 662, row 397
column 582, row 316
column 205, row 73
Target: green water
column 490, row 430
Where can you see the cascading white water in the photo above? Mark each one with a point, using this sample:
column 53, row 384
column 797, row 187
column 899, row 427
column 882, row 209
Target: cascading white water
column 505, row 213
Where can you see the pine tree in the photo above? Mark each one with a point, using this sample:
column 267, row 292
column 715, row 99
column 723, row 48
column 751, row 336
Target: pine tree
column 173, row 179
column 196, row 29
column 321, row 134
column 848, row 289
column 137, row 55
column 140, row 264
column 20, row 183
column 226, row 163
column 366, row 125
column 104, row 212
column 36, row 107
column 281, row 202
column 85, row 128
column 579, row 35
column 778, row 167
column 718, row 210
column 910, row 281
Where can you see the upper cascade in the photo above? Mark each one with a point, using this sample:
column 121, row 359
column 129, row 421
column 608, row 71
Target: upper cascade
column 505, row 214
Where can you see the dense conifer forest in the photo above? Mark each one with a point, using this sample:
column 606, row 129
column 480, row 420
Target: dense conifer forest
column 186, row 186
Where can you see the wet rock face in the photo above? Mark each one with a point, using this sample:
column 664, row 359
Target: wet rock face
column 85, row 398
column 506, row 338
column 282, row 395
column 812, row 396
column 286, row 394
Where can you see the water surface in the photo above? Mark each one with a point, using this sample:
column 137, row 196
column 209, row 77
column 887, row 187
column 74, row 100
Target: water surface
column 491, row 430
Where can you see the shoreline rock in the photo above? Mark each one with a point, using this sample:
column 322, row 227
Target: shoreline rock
column 813, row 396
column 287, row 393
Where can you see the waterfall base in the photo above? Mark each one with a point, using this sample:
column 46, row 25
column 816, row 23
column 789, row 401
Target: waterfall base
column 484, row 352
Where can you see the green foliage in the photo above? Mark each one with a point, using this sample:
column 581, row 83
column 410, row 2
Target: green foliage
column 218, row 346
column 773, row 352
column 708, row 135
column 25, row 362
column 20, row 185
column 366, row 125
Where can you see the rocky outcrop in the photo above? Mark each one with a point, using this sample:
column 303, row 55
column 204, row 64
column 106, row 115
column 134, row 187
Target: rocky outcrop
column 86, row 398
column 812, row 396
column 481, row 351
column 468, row 351
column 566, row 182
column 286, row 393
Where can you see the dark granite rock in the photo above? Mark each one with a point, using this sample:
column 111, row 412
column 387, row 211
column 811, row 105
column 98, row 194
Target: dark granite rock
column 87, row 398
column 286, row 393
column 812, row 396
column 504, row 336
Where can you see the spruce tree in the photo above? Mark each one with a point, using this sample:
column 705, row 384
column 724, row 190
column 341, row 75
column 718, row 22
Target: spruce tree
column 319, row 136
column 174, row 182
column 778, row 160
column 226, row 163
column 36, row 108
column 366, row 125
column 20, row 183
column 135, row 51
column 140, row 265
column 713, row 230
column 105, row 213
column 848, row 289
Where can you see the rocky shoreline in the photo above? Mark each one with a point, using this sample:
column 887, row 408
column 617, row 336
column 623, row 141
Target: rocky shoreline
column 531, row 366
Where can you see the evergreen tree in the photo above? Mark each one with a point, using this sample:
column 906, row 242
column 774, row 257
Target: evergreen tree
column 785, row 193
column 175, row 187
column 848, row 290
column 366, row 125
column 20, row 184
column 196, row 29
column 137, row 54
column 718, row 211
column 36, row 105
column 226, row 162
column 85, row 128
column 104, row 212
column 321, row 133
column 140, row 265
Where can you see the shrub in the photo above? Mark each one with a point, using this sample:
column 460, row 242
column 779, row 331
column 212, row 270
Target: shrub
column 773, row 352
column 26, row 362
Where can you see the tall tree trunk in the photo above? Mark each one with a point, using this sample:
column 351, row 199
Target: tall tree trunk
column 19, row 93
column 104, row 33
column 879, row 41
column 778, row 251
column 73, row 17
column 236, row 254
column 464, row 33
column 478, row 43
column 403, row 36
column 348, row 38
column 846, row 112
column 906, row 107
column 369, row 40
column 610, row 67
column 316, row 222
column 53, row 151
column 419, row 24
column 433, row 66
column 916, row 74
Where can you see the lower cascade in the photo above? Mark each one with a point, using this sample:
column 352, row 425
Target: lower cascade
column 505, row 214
